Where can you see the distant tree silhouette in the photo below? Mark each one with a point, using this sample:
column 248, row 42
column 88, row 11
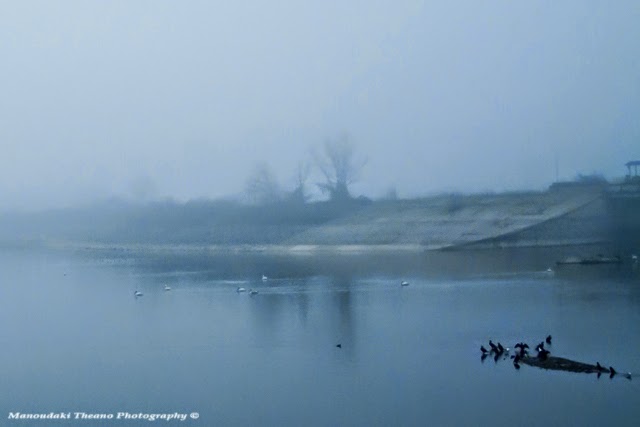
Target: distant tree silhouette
column 299, row 193
column 339, row 168
column 262, row 187
column 593, row 178
column 391, row 194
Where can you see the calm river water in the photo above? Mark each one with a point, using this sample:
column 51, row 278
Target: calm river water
column 75, row 339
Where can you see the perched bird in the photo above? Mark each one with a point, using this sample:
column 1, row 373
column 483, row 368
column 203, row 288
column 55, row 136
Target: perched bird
column 483, row 350
column 542, row 354
column 612, row 372
column 540, row 346
column 500, row 348
column 493, row 346
column 548, row 340
column 516, row 365
column 599, row 367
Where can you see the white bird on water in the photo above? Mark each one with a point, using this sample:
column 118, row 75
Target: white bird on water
column 403, row 283
column 252, row 292
column 264, row 278
column 137, row 294
column 241, row 290
column 167, row 288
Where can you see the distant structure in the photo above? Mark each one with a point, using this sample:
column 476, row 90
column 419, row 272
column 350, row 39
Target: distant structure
column 632, row 164
column 623, row 201
column 631, row 184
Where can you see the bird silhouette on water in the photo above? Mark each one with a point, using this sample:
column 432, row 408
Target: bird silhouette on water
column 339, row 345
column 523, row 348
column 543, row 354
column 516, row 359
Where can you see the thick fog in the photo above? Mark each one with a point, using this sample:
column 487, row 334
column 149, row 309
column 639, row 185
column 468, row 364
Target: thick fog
column 157, row 99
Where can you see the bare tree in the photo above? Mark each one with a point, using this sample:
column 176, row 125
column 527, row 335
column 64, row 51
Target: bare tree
column 391, row 194
column 339, row 167
column 262, row 186
column 299, row 193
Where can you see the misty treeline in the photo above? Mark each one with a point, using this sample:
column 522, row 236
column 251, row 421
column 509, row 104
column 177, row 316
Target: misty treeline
column 336, row 163
column 269, row 213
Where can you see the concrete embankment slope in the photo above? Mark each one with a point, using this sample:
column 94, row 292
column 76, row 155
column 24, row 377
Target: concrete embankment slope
column 530, row 219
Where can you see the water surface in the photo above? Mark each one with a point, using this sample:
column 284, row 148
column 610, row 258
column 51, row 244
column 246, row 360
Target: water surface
column 74, row 338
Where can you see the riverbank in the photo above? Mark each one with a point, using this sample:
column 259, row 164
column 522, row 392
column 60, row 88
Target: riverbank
column 445, row 222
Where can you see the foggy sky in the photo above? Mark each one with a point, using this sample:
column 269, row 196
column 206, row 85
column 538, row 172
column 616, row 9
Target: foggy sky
column 183, row 99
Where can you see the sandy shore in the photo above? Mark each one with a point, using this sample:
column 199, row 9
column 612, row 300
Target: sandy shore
column 300, row 250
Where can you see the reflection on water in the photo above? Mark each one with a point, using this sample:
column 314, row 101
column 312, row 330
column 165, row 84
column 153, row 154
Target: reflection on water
column 75, row 337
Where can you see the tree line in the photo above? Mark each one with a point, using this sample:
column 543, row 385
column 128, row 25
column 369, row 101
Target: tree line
column 337, row 164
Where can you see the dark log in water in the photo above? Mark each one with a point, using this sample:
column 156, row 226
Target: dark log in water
column 562, row 364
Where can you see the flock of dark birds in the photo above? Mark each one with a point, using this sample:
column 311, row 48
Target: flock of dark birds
column 499, row 351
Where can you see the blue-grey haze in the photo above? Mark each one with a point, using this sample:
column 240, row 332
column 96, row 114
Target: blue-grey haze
column 156, row 99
